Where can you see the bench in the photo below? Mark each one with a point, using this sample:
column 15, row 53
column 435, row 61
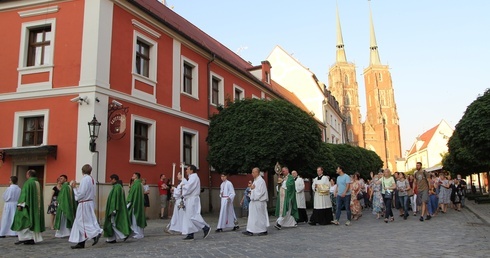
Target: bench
column 483, row 199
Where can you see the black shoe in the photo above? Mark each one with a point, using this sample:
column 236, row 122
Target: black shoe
column 2, row 236
column 19, row 242
column 80, row 245
column 111, row 242
column 405, row 217
column 96, row 239
column 189, row 237
column 428, row 217
column 206, row 231
column 278, row 226
column 126, row 238
column 312, row 223
column 421, row 218
column 248, row 233
column 262, row 233
column 235, row 228
column 29, row 242
column 218, row 230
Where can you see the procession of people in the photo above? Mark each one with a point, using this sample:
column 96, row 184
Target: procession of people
column 75, row 218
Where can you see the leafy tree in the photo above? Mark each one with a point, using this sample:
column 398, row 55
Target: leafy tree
column 356, row 159
column 461, row 160
column 258, row 133
column 325, row 159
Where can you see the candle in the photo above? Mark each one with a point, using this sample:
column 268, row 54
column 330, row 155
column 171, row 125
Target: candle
column 173, row 174
column 182, row 165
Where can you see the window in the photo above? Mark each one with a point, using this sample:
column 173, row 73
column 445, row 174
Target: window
column 217, row 90
column 140, row 151
column 350, row 137
column 33, row 131
column 189, row 75
column 189, row 146
column 347, row 99
column 142, row 58
column 346, row 80
column 238, row 93
column 380, row 77
column 348, row 119
column 267, row 77
column 142, row 140
column 40, row 49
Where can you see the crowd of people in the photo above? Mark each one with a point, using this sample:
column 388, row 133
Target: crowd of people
column 73, row 212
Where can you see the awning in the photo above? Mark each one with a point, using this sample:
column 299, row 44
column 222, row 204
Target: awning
column 31, row 150
column 434, row 168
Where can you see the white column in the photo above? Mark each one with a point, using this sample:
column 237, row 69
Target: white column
column 176, row 80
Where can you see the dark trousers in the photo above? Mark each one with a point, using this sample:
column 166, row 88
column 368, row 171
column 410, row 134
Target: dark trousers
column 388, row 210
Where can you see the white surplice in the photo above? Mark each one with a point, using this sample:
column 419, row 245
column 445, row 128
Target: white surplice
column 10, row 197
column 258, row 218
column 300, row 193
column 85, row 225
column 227, row 216
column 321, row 201
column 178, row 214
column 63, row 231
column 193, row 221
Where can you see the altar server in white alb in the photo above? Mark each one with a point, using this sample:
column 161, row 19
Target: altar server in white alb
column 175, row 224
column 258, row 218
column 193, row 221
column 10, row 197
column 322, row 205
column 85, row 225
column 300, row 197
column 227, row 218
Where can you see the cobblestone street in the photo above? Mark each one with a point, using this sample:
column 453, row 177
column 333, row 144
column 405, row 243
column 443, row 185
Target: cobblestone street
column 462, row 234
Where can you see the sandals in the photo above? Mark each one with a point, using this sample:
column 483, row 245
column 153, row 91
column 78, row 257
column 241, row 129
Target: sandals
column 386, row 220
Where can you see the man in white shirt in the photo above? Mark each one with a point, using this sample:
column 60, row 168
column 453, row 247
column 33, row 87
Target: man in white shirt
column 227, row 218
column 258, row 218
column 300, row 197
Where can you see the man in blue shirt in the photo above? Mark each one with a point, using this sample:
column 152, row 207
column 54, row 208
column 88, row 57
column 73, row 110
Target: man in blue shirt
column 342, row 193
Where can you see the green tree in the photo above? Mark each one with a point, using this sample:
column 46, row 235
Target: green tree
column 258, row 133
column 324, row 159
column 356, row 159
column 460, row 160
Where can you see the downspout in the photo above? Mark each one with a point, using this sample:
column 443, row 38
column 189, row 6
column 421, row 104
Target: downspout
column 209, row 110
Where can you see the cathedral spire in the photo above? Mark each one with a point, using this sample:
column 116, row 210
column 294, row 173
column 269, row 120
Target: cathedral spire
column 341, row 58
column 374, row 54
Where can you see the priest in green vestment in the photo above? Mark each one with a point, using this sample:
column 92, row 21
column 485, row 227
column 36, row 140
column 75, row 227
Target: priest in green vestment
column 136, row 207
column 65, row 214
column 29, row 217
column 286, row 207
column 117, row 222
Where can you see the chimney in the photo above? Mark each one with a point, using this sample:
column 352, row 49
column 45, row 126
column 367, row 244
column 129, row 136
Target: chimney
column 266, row 72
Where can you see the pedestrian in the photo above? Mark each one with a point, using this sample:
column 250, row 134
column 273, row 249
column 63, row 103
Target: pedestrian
column 422, row 183
column 322, row 205
column 444, row 194
column 286, row 209
column 412, row 195
column 227, row 217
column 10, row 197
column 146, row 193
column 356, row 193
column 333, row 199
column 376, row 196
column 403, row 187
column 456, row 194
column 463, row 189
column 163, row 191
column 175, row 224
column 343, row 196
column 433, row 195
column 65, row 214
column 117, row 221
column 388, row 186
column 193, row 221
column 258, row 217
column 85, row 225
column 246, row 198
column 29, row 217
column 136, row 207
column 300, row 197
column 53, row 205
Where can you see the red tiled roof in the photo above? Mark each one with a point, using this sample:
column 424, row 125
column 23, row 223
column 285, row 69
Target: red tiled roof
column 425, row 137
column 194, row 34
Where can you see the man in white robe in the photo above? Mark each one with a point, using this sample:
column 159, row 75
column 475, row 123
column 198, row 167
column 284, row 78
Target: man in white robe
column 85, row 225
column 322, row 205
column 227, row 218
column 175, row 224
column 300, row 197
column 10, row 197
column 258, row 218
column 193, row 221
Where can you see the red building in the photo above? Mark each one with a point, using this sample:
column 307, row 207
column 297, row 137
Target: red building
column 150, row 77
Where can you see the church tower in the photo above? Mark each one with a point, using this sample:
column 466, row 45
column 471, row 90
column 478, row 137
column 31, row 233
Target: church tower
column 381, row 127
column 343, row 86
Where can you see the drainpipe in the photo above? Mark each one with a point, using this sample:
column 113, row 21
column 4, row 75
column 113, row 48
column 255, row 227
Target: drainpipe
column 209, row 110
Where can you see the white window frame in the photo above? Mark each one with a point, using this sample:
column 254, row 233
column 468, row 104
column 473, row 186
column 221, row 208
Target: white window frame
column 151, row 140
column 195, row 77
column 23, row 69
column 19, row 125
column 221, row 89
column 151, row 80
column 255, row 97
column 236, row 87
column 195, row 145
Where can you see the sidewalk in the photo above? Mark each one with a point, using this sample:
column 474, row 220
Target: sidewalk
column 482, row 211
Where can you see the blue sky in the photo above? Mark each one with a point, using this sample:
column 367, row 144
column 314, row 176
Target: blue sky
column 438, row 51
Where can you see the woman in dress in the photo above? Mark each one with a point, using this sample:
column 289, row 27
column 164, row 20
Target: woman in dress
column 456, row 194
column 53, row 205
column 333, row 186
column 376, row 198
column 146, row 192
column 443, row 193
column 246, row 199
column 388, row 185
column 355, row 204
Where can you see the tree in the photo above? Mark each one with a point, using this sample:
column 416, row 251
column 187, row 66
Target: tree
column 258, row 133
column 356, row 159
column 460, row 160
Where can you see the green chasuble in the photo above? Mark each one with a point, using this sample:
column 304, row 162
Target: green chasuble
column 137, row 207
column 32, row 215
column 289, row 199
column 116, row 202
column 66, row 206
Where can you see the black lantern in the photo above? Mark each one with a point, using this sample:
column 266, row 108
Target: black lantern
column 93, row 128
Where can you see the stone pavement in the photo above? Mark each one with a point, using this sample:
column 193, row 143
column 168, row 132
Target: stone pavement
column 461, row 234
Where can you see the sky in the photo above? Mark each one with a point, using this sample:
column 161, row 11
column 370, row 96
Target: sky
column 438, row 51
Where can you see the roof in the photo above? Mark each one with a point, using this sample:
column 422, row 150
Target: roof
column 425, row 137
column 191, row 32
